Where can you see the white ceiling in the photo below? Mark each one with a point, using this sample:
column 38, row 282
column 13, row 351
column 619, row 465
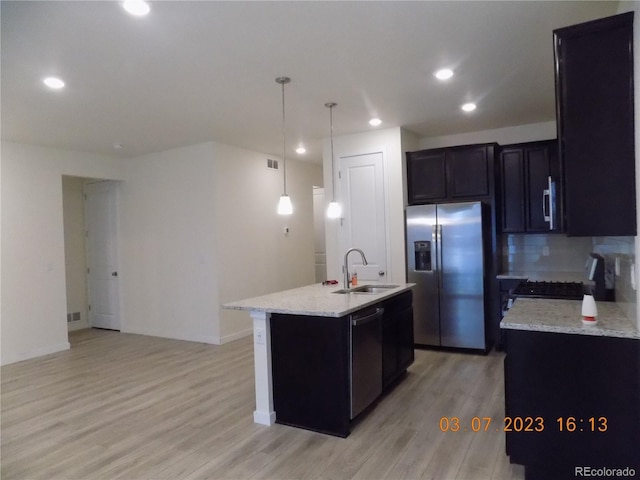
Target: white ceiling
column 192, row 72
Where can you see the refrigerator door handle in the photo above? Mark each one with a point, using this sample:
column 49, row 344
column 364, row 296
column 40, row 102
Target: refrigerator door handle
column 438, row 251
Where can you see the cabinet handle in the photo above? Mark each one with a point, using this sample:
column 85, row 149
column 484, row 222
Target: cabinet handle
column 357, row 321
column 545, row 205
column 552, row 202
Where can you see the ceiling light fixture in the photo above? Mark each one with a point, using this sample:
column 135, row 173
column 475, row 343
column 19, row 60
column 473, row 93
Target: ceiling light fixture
column 468, row 107
column 374, row 122
column 53, row 82
column 138, row 8
column 300, row 150
column 334, row 210
column 443, row 74
column 284, row 205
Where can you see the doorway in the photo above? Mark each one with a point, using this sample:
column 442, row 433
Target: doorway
column 91, row 253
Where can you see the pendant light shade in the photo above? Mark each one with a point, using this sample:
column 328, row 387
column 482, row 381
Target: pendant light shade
column 284, row 205
column 334, row 210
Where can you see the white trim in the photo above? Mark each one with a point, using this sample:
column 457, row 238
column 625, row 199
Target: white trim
column 264, row 413
column 210, row 339
column 20, row 356
column 235, row 336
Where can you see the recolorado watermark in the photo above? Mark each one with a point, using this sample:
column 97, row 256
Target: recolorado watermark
column 604, row 472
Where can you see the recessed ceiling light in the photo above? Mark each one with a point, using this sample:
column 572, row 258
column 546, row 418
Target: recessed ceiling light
column 138, row 8
column 300, row 150
column 444, row 74
column 468, row 107
column 374, row 122
column 53, row 82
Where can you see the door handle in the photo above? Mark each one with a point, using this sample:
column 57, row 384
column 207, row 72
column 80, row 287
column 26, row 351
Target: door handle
column 114, row 274
column 357, row 321
column 381, row 273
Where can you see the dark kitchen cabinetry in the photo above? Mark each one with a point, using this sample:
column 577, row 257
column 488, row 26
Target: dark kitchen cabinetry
column 453, row 173
column 397, row 337
column 594, row 94
column 311, row 363
column 571, row 400
column 530, row 187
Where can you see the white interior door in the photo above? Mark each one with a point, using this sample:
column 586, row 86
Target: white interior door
column 363, row 223
column 102, row 255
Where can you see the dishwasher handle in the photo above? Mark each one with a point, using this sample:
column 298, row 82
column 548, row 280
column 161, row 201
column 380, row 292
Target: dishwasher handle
column 356, row 321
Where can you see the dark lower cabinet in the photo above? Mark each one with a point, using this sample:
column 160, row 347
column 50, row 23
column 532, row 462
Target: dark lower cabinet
column 311, row 365
column 310, row 372
column 571, row 401
column 397, row 337
column 595, row 105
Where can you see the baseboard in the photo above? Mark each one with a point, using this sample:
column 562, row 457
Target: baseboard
column 40, row 352
column 236, row 336
column 174, row 335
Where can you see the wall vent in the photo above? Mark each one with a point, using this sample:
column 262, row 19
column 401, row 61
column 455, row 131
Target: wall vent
column 73, row 317
column 272, row 164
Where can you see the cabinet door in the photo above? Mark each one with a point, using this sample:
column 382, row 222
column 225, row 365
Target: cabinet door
column 513, row 192
column 310, row 365
column 594, row 90
column 537, row 180
column 389, row 349
column 406, row 352
column 426, row 176
column 468, row 172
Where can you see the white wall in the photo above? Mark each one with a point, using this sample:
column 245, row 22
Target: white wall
column 504, row 136
column 34, row 309
column 255, row 256
column 200, row 228
column 390, row 143
column 75, row 252
column 167, row 211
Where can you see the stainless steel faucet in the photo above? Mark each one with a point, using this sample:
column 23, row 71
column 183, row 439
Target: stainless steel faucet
column 347, row 280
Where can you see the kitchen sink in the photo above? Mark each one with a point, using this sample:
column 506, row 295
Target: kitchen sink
column 371, row 289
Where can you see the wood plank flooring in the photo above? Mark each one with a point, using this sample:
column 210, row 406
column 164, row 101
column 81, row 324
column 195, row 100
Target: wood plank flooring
column 120, row 406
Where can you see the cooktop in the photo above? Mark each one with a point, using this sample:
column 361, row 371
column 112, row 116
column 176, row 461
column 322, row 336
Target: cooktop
column 557, row 290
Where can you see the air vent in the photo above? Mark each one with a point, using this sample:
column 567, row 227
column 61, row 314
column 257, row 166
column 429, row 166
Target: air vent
column 73, row 317
column 272, row 164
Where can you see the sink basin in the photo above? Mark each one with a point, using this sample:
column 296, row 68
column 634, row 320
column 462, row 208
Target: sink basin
column 371, row 289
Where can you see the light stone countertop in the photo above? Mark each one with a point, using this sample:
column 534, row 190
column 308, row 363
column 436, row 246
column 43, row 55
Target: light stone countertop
column 315, row 300
column 564, row 316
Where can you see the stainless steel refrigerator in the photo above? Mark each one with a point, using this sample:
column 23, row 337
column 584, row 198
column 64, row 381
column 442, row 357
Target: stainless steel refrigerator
column 445, row 259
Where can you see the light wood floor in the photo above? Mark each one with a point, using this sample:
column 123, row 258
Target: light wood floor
column 119, row 406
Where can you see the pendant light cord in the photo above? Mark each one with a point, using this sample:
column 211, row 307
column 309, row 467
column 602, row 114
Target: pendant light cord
column 330, row 105
column 284, row 142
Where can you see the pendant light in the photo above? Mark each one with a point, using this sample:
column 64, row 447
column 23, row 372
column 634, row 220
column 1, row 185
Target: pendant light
column 334, row 210
column 284, row 205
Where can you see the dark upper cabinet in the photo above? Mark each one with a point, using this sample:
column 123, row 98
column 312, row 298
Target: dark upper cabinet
column 454, row 173
column 426, row 176
column 530, row 187
column 594, row 94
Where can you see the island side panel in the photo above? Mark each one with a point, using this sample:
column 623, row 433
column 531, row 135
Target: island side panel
column 264, row 413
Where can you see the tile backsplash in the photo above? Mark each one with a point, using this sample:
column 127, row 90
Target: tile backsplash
column 545, row 253
column 559, row 253
column 622, row 248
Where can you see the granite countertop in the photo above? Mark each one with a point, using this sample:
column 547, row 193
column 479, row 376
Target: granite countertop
column 315, row 300
column 564, row 316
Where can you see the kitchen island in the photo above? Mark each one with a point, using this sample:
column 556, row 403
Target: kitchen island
column 304, row 335
column 572, row 392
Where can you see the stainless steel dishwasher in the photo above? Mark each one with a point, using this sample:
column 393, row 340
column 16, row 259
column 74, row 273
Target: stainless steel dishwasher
column 365, row 358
